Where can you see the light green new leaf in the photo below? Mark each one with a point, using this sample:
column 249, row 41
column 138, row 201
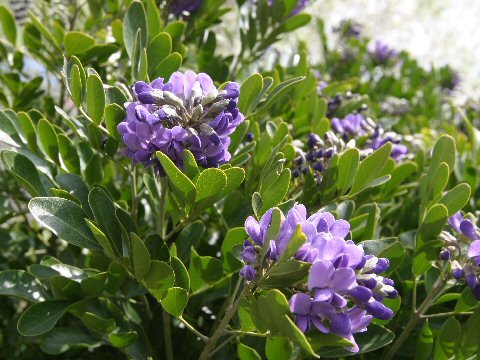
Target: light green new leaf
column 7, row 21
column 77, row 42
column 175, row 301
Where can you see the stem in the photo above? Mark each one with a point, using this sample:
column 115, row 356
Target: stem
column 229, row 313
column 167, row 331
column 416, row 317
column 163, row 199
column 192, row 329
column 134, row 193
column 222, row 345
column 451, row 313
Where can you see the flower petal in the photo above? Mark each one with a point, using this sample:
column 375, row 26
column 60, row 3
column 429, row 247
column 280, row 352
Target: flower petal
column 320, row 274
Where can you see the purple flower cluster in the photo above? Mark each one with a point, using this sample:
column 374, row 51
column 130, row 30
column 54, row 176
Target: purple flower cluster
column 463, row 268
column 349, row 28
column 352, row 125
column 345, row 290
column 399, row 150
column 179, row 7
column 187, row 112
column 381, row 52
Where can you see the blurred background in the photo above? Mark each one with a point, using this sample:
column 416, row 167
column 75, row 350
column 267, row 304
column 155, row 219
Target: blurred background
column 434, row 31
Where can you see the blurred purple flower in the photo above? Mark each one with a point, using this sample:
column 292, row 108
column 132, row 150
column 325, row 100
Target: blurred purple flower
column 464, row 226
column 352, row 124
column 399, row 151
column 178, row 7
column 187, row 112
column 382, row 52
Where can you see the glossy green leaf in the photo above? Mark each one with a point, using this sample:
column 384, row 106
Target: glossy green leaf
column 248, row 92
column 20, row 284
column 209, row 185
column 114, row 115
column 456, row 198
column 24, row 171
column 347, row 169
column 42, row 317
column 203, row 269
column 278, row 348
column 167, row 66
column 104, row 211
column 433, row 223
column 123, row 339
column 65, row 219
column 60, row 340
column 235, row 236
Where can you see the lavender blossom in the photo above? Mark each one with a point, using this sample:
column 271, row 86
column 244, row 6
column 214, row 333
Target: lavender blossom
column 351, row 125
column 382, row 52
column 399, row 150
column 179, row 7
column 345, row 288
column 187, row 112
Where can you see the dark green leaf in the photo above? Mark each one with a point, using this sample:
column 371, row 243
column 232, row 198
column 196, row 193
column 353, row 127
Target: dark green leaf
column 175, row 301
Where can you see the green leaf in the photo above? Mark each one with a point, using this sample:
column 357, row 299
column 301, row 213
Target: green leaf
column 247, row 353
column 60, row 340
column 158, row 50
column 7, row 21
column 444, row 151
column 297, row 239
column 181, row 274
column 278, row 348
column 94, row 285
column 154, row 21
column 168, row 66
column 135, row 18
column 21, row 284
column 467, row 301
column 24, row 171
column 114, row 115
column 470, row 336
column 209, row 185
column 42, row 317
column 69, row 154
column 424, row 343
column 77, row 42
column 448, row 339
column 65, row 288
column 29, row 130
column 277, row 92
column 432, row 224
column 456, row 198
column 102, row 239
column 159, row 279
column 124, row 339
column 424, row 255
column 235, row 177
column 375, row 338
column 95, row 98
column 249, row 90
column 104, row 211
column 190, row 167
column 285, row 273
column 370, row 168
column 157, row 248
column 295, row 22
column 98, row 324
column 347, row 169
column 76, row 86
column 203, row 269
column 175, row 301
column 141, row 257
column 93, row 173
column 177, row 178
column 48, row 139
column 235, row 236
column 275, row 193
column 189, row 237
column 65, row 219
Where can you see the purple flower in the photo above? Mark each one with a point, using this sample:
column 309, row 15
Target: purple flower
column 352, row 124
column 474, row 252
column 382, row 53
column 178, row 7
column 349, row 28
column 187, row 112
column 248, row 272
column 464, row 226
column 399, row 151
